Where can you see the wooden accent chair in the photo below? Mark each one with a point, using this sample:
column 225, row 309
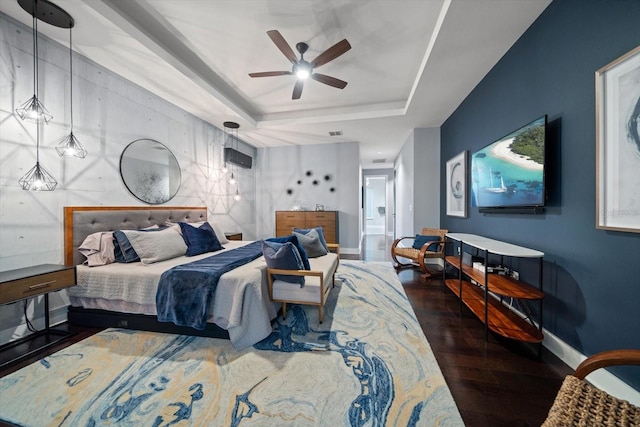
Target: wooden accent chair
column 579, row 403
column 417, row 256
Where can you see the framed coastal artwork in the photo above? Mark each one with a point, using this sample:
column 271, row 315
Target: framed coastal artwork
column 618, row 144
column 457, row 185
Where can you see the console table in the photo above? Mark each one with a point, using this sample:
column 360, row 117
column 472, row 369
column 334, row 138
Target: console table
column 483, row 291
column 23, row 283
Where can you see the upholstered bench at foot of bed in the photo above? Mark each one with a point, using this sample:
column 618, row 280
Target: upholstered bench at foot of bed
column 318, row 283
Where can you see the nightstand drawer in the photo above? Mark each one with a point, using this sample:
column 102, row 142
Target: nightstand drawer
column 15, row 290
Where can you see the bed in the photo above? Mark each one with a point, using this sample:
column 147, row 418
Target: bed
column 124, row 295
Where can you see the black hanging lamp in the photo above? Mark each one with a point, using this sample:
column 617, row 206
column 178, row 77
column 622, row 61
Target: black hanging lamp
column 33, row 109
column 38, row 179
column 231, row 137
column 69, row 146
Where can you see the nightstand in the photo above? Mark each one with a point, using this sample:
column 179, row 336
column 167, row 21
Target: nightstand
column 233, row 236
column 23, row 283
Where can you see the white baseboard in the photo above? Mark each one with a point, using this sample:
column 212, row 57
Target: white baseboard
column 601, row 378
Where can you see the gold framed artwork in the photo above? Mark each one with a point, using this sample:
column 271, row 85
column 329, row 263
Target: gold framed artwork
column 456, row 185
column 618, row 144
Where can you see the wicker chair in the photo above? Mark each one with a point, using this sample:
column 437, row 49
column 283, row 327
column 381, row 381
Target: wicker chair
column 578, row 403
column 417, row 256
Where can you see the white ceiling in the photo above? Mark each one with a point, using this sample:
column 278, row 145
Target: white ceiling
column 412, row 62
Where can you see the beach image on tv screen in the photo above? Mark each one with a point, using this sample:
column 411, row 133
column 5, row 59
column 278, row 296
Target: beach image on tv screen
column 510, row 171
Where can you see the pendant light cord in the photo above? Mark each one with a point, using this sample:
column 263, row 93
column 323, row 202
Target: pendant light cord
column 71, row 79
column 36, row 87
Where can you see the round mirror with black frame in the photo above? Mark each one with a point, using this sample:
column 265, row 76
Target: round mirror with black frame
column 150, row 171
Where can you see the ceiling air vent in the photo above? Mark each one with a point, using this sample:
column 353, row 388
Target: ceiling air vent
column 335, row 133
column 379, row 161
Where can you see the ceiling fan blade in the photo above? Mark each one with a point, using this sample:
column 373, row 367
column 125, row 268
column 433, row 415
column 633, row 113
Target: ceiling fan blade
column 270, row 74
column 328, row 80
column 297, row 89
column 332, row 53
column 282, row 44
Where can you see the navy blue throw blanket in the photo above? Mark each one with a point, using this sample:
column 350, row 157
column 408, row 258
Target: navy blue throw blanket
column 185, row 291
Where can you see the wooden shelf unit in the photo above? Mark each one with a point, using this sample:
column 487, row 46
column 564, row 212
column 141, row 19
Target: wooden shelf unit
column 328, row 220
column 485, row 297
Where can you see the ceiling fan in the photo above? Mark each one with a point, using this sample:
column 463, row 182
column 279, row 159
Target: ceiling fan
column 303, row 69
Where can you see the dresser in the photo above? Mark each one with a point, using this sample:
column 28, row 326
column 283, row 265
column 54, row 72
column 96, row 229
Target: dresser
column 328, row 220
column 18, row 285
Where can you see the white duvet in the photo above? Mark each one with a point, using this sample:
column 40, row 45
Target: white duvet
column 241, row 302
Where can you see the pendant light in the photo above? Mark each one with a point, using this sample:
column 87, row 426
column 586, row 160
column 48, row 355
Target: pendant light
column 69, row 146
column 231, row 138
column 38, row 179
column 33, row 109
column 230, row 133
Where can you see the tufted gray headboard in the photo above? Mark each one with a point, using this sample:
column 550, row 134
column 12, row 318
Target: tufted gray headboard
column 80, row 221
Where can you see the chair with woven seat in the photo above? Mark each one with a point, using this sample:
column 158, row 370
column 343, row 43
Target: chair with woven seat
column 579, row 403
column 428, row 244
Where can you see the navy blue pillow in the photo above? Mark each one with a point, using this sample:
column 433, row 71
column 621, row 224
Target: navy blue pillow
column 293, row 239
column 122, row 248
column 200, row 240
column 320, row 234
column 421, row 240
column 284, row 256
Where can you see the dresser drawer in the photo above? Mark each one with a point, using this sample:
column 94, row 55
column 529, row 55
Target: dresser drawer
column 290, row 216
column 320, row 216
column 18, row 289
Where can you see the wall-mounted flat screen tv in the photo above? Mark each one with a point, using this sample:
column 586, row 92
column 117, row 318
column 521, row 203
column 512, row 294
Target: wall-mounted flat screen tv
column 510, row 171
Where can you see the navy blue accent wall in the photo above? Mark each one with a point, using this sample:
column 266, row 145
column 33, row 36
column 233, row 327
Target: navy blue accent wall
column 591, row 276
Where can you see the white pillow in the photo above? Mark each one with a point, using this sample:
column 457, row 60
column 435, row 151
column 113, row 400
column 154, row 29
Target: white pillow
column 219, row 232
column 154, row 246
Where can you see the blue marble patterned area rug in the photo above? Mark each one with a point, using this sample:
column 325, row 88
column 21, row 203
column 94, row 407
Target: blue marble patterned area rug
column 367, row 364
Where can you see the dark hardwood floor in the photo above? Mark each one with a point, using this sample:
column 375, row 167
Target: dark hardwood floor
column 495, row 383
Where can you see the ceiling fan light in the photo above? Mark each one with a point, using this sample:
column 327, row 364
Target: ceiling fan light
column 302, row 73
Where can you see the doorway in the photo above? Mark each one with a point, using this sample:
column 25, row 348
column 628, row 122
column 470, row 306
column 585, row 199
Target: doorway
column 375, row 205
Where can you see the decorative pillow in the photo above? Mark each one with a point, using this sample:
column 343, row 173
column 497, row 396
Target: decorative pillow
column 122, row 250
column 311, row 244
column 219, row 233
column 199, row 240
column 293, row 239
column 98, row 248
column 421, row 240
column 177, row 224
column 284, row 256
column 320, row 234
column 157, row 246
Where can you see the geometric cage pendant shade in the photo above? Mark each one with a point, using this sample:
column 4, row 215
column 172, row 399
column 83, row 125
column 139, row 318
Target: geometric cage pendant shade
column 33, row 110
column 69, row 146
column 38, row 179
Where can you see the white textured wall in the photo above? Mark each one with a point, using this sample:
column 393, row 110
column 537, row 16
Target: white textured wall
column 280, row 169
column 426, row 178
column 109, row 113
column 418, row 182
